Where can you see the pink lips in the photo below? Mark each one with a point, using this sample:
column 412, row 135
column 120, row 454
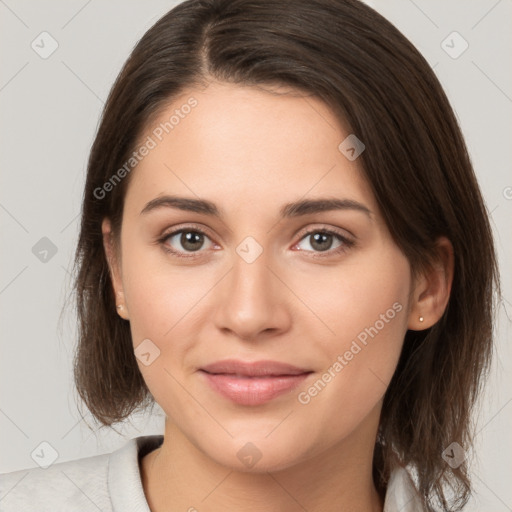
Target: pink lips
column 252, row 383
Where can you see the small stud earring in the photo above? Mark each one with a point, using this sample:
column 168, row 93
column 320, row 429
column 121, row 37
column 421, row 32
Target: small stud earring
column 421, row 319
column 120, row 306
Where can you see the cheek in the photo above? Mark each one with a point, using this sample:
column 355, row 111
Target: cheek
column 160, row 296
column 162, row 308
column 159, row 305
column 366, row 291
column 367, row 310
column 165, row 307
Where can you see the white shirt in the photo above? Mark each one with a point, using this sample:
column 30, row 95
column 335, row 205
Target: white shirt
column 112, row 483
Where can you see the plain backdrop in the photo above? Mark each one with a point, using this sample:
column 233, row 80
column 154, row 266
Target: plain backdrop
column 50, row 109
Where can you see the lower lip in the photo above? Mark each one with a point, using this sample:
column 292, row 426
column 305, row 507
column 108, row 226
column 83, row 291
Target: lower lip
column 252, row 390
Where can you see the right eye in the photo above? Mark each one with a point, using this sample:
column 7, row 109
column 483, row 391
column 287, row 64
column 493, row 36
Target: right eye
column 183, row 241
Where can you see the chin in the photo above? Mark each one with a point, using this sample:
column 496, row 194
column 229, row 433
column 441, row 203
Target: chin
column 258, row 453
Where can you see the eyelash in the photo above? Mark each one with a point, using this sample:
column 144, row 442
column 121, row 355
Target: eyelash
column 346, row 243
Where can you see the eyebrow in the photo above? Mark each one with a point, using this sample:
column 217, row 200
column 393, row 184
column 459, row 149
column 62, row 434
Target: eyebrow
column 290, row 210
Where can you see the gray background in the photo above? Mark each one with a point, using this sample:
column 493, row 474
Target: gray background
column 50, row 110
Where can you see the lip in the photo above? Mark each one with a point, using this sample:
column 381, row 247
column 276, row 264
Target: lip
column 252, row 383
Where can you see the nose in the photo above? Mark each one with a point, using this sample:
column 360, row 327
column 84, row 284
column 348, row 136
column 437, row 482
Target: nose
column 252, row 303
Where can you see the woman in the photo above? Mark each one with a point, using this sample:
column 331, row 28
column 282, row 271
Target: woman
column 274, row 249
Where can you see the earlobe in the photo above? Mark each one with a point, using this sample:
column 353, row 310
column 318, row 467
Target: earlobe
column 115, row 273
column 432, row 290
column 122, row 311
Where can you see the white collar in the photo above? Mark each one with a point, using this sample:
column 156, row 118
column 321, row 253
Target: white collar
column 401, row 493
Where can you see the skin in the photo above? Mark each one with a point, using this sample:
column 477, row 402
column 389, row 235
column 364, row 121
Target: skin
column 250, row 151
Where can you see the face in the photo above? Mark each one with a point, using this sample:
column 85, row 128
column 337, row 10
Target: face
column 252, row 276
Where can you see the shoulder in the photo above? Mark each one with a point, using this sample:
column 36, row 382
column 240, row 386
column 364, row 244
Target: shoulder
column 72, row 485
column 87, row 484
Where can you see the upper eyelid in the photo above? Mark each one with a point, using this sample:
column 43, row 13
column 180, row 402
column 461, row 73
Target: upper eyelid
column 190, row 227
column 330, row 230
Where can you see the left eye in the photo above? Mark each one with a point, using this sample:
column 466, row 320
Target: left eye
column 321, row 241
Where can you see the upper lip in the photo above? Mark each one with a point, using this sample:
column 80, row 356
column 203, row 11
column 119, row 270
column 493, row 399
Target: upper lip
column 253, row 368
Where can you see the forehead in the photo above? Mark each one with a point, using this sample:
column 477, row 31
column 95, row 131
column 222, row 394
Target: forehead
column 246, row 146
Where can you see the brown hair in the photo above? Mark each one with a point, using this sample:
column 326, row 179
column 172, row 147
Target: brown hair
column 416, row 162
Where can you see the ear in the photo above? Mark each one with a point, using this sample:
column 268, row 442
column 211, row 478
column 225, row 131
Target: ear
column 114, row 268
column 432, row 288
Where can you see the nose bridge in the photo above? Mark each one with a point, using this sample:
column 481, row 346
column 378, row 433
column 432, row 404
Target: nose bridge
column 250, row 277
column 250, row 273
column 251, row 303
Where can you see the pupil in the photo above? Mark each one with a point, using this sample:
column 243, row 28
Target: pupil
column 319, row 240
column 189, row 240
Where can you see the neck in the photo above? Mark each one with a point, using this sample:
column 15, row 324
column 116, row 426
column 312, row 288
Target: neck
column 177, row 477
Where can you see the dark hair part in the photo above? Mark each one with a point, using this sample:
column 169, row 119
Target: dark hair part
column 416, row 162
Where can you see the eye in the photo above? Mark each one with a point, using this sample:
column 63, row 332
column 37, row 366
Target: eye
column 324, row 241
column 185, row 241
column 188, row 242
